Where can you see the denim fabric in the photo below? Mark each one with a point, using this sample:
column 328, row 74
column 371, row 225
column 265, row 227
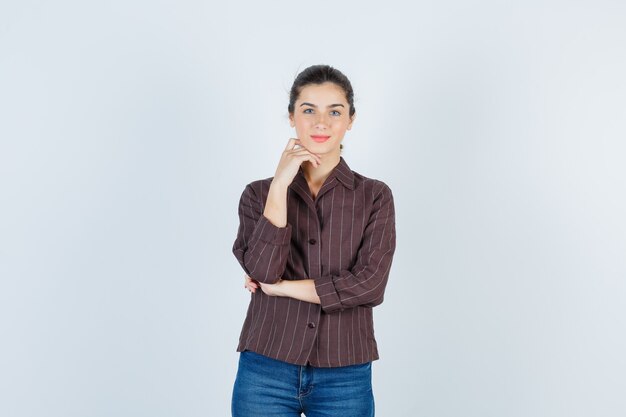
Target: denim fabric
column 266, row 387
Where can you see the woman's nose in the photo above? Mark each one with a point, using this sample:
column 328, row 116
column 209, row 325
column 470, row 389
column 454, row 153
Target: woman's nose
column 321, row 120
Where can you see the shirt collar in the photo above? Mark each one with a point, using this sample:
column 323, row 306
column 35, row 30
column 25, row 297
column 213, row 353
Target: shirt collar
column 341, row 172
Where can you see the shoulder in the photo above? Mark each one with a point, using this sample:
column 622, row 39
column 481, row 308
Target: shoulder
column 257, row 188
column 376, row 187
column 260, row 183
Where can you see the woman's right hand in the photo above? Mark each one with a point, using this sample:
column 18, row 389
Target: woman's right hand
column 291, row 160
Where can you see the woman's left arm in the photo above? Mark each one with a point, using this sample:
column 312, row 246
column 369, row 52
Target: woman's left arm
column 365, row 282
column 302, row 289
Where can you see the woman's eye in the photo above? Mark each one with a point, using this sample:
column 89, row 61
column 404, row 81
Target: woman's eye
column 336, row 113
column 307, row 110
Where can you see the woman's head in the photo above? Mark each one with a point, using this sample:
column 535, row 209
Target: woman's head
column 318, row 74
column 321, row 103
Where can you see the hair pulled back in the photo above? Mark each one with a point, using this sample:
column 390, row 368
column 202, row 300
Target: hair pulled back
column 319, row 74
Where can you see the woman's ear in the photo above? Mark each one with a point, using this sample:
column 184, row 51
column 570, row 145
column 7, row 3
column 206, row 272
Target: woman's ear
column 292, row 123
column 351, row 121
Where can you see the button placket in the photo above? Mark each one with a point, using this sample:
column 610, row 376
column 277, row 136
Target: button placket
column 315, row 257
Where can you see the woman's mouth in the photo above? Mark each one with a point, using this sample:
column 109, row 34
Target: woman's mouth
column 320, row 138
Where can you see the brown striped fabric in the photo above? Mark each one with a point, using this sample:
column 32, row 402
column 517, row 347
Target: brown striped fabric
column 344, row 239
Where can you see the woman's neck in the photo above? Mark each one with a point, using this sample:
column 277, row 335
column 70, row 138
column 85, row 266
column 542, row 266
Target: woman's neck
column 315, row 177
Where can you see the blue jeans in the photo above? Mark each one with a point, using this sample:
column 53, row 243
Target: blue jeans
column 267, row 387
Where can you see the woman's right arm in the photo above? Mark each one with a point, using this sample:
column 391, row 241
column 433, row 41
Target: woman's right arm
column 260, row 247
column 263, row 238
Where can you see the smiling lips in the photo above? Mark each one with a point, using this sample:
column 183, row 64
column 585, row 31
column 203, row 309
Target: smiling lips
column 320, row 138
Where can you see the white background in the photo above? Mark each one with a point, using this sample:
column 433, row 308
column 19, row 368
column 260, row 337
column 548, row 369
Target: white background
column 128, row 130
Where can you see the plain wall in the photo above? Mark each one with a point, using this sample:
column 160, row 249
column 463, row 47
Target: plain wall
column 128, row 130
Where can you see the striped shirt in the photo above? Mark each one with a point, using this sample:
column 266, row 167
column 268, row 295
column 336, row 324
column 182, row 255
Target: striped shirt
column 344, row 240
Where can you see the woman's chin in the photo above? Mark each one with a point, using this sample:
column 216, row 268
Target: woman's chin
column 323, row 148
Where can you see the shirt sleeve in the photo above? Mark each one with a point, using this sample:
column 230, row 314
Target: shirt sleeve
column 364, row 284
column 260, row 247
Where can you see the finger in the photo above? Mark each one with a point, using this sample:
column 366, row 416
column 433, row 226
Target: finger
column 250, row 282
column 303, row 149
column 303, row 152
column 317, row 158
column 292, row 143
column 308, row 157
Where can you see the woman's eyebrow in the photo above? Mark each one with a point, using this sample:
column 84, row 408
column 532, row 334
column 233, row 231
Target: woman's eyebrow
column 329, row 106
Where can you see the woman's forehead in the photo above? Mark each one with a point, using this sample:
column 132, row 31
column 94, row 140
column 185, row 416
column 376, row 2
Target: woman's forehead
column 322, row 93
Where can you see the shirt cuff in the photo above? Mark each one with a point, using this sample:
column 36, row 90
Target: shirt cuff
column 267, row 232
column 329, row 299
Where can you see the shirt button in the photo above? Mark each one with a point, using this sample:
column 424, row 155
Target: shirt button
column 311, row 325
column 312, row 241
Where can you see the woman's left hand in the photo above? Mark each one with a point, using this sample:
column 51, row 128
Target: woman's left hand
column 250, row 284
column 303, row 290
column 269, row 289
column 272, row 289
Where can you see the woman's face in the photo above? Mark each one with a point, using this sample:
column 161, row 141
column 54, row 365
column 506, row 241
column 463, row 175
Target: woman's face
column 321, row 117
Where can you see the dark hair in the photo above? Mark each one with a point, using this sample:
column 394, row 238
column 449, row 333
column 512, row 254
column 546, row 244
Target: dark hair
column 318, row 74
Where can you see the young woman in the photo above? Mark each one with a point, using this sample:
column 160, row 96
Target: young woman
column 316, row 242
